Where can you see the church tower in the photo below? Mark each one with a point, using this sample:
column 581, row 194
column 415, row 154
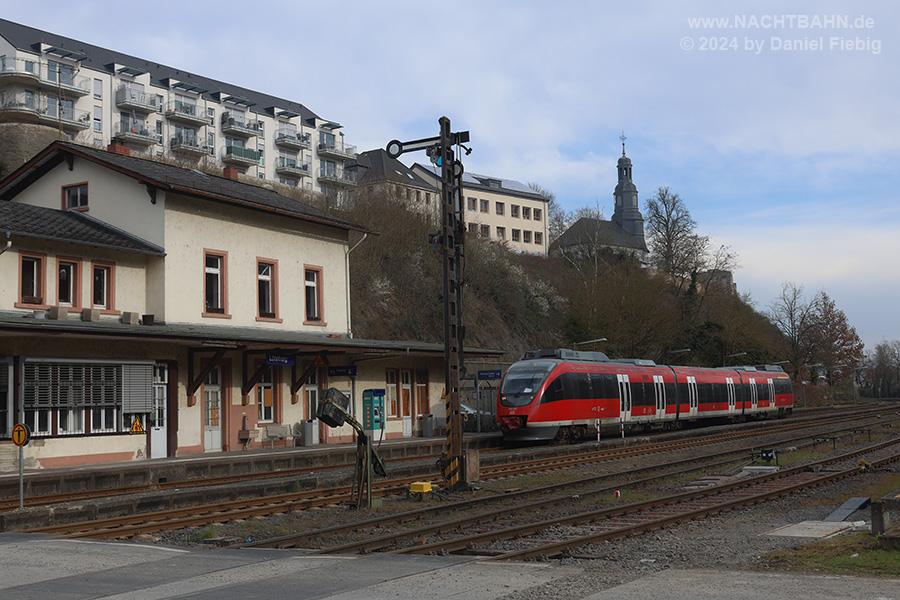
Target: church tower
column 627, row 214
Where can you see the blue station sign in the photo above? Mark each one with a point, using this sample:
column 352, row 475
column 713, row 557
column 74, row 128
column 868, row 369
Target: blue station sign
column 490, row 374
column 279, row 359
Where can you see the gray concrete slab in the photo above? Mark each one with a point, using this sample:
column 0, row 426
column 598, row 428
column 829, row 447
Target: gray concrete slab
column 705, row 584
column 42, row 567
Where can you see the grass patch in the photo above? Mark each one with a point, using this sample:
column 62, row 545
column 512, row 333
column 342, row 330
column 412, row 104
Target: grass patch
column 208, row 532
column 851, row 554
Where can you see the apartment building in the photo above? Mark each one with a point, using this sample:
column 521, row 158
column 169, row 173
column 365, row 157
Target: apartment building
column 502, row 210
column 97, row 96
column 155, row 311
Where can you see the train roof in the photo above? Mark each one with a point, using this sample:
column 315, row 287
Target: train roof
column 599, row 357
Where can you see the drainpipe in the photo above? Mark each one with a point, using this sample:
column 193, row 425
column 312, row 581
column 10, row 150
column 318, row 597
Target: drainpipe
column 347, row 276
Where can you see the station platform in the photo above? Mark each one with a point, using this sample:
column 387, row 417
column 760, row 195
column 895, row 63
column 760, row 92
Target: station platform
column 329, row 464
column 60, row 480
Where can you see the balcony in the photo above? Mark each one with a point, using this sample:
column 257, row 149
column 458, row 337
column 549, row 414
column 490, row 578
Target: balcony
column 337, row 178
column 185, row 113
column 136, row 100
column 238, row 127
column 344, row 152
column 55, row 78
column 19, row 70
column 291, row 167
column 188, row 145
column 136, row 134
column 235, row 155
column 293, row 140
column 30, row 108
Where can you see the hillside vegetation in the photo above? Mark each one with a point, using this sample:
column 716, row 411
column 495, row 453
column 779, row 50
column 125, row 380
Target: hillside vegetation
column 517, row 302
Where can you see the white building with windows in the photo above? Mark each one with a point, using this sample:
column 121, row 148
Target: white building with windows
column 98, row 96
column 210, row 311
column 503, row 210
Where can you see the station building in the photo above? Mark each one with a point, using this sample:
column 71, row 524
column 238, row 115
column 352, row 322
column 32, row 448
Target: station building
column 152, row 311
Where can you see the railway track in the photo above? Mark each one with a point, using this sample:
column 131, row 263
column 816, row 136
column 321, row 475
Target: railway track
column 12, row 503
column 423, row 522
column 130, row 525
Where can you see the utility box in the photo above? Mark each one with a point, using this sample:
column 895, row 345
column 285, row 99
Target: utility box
column 373, row 409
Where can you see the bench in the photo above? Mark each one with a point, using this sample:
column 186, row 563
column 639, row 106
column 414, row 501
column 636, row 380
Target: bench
column 280, row 432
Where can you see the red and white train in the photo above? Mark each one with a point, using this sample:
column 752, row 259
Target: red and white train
column 564, row 394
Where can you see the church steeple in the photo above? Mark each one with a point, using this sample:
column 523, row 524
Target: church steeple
column 627, row 213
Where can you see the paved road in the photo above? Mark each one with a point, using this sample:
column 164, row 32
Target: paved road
column 39, row 567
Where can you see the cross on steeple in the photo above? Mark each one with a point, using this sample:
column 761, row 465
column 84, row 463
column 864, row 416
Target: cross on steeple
column 623, row 138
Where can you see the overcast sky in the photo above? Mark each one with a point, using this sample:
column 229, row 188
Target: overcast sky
column 779, row 129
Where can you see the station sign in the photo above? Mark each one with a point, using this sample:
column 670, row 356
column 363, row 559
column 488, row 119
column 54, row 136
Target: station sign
column 279, row 359
column 490, row 374
column 350, row 371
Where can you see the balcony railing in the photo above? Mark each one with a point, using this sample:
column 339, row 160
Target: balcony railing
column 136, row 100
column 188, row 113
column 290, row 166
column 136, row 133
column 337, row 177
column 187, row 145
column 292, row 139
column 19, row 68
column 332, row 150
column 239, row 127
column 64, row 78
column 238, row 155
column 47, row 76
column 42, row 109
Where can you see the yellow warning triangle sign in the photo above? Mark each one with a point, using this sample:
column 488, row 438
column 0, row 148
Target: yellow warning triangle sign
column 136, row 426
column 320, row 362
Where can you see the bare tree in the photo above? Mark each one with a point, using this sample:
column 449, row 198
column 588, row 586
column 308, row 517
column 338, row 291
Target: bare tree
column 675, row 247
column 796, row 318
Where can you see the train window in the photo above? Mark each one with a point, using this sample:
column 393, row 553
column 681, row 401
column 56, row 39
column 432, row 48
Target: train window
column 671, row 393
column 763, row 392
column 783, row 386
column 603, row 385
column 554, row 391
column 522, row 381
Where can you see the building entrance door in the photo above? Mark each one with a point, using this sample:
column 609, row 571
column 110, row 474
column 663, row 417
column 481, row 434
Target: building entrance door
column 212, row 411
column 158, row 432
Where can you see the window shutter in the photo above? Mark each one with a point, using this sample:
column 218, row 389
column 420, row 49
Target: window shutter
column 137, row 388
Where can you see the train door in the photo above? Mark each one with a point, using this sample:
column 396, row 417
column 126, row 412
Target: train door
column 158, row 432
column 212, row 411
column 729, row 385
column 659, row 389
column 624, row 397
column 693, row 398
column 771, row 394
column 754, row 395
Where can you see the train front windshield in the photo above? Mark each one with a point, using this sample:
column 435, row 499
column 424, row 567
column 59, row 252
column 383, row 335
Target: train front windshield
column 523, row 380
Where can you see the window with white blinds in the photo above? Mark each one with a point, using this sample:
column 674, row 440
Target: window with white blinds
column 81, row 385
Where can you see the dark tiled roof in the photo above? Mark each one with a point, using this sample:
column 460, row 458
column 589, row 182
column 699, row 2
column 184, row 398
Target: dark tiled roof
column 588, row 231
column 375, row 166
column 68, row 226
column 193, row 334
column 171, row 178
column 24, row 38
column 473, row 181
